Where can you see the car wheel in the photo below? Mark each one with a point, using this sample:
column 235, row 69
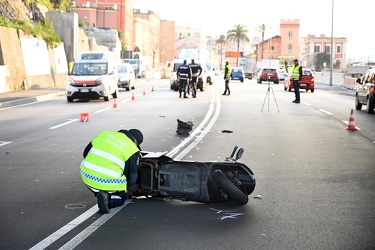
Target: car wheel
column 358, row 105
column 277, row 82
column 312, row 90
column 370, row 106
column 69, row 99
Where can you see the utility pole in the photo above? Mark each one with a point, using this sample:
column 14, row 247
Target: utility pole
column 330, row 76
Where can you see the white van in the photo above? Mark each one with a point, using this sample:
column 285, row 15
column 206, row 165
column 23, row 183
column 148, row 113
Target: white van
column 94, row 76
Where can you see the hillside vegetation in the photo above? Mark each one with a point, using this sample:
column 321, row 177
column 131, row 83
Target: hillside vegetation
column 26, row 16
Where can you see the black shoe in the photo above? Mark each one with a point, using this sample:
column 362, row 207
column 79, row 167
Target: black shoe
column 186, row 96
column 194, row 96
column 228, row 93
column 102, row 198
column 224, row 94
column 294, row 101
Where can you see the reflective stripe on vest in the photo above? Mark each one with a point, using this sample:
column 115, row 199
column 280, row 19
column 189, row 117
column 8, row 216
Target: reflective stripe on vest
column 103, row 167
column 295, row 73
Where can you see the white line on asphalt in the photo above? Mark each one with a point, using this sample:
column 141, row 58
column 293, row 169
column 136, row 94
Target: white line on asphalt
column 65, row 229
column 92, row 228
column 326, row 112
column 65, row 123
column 306, row 103
column 3, row 143
column 214, row 99
column 207, row 129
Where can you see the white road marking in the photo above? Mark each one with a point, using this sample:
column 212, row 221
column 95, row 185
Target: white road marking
column 326, row 112
column 3, row 143
column 65, row 123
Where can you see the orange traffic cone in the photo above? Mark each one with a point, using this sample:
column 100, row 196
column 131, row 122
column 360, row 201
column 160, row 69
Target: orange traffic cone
column 133, row 97
column 144, row 92
column 115, row 103
column 351, row 124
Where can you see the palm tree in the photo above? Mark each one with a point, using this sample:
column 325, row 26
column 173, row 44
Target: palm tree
column 221, row 41
column 238, row 33
column 262, row 28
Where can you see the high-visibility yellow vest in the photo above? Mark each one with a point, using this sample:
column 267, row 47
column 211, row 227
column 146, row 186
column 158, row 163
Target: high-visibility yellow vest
column 103, row 167
column 229, row 70
column 295, row 73
column 71, row 64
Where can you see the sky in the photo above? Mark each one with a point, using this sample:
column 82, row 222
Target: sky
column 351, row 19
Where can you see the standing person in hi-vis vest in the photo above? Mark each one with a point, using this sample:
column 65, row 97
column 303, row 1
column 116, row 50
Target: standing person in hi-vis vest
column 110, row 165
column 296, row 77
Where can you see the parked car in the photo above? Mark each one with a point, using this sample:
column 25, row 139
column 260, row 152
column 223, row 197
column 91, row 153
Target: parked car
column 282, row 74
column 268, row 74
column 365, row 93
column 94, row 76
column 307, row 82
column 238, row 74
column 126, row 76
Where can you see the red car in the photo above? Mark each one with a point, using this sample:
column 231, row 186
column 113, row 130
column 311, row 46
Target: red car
column 268, row 74
column 307, row 82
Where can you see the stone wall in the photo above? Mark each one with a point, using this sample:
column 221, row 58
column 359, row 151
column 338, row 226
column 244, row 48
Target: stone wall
column 21, row 65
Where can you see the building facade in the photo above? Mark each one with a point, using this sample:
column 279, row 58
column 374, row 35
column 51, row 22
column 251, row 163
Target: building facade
column 313, row 45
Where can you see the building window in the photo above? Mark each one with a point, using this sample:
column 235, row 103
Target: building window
column 338, row 49
column 290, row 35
column 290, row 48
column 317, row 49
column 327, row 49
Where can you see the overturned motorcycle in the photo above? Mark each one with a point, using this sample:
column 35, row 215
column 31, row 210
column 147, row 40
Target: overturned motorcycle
column 159, row 176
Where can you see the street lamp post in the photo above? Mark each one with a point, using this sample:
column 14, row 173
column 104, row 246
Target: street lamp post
column 330, row 76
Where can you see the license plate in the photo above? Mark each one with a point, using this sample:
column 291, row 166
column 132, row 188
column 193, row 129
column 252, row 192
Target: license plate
column 303, row 85
column 84, row 90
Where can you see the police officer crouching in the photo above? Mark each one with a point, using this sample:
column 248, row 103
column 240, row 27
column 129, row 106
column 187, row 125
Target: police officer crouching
column 183, row 76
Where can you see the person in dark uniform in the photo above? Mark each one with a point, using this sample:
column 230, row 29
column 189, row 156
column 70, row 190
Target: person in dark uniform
column 183, row 76
column 227, row 76
column 196, row 71
column 296, row 77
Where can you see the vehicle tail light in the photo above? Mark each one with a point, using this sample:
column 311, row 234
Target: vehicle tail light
column 312, row 79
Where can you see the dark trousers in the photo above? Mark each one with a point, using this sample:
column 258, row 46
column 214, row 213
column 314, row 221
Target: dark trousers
column 227, row 87
column 182, row 86
column 193, row 85
column 296, row 90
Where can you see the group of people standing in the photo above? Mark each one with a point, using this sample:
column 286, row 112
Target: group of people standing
column 187, row 75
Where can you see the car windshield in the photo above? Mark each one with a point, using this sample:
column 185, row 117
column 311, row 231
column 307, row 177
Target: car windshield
column 89, row 68
column 307, row 73
column 122, row 69
column 236, row 70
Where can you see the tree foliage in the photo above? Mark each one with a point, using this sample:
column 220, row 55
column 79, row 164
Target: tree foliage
column 238, row 33
column 262, row 29
column 322, row 58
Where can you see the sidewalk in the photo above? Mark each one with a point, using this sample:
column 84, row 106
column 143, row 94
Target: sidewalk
column 15, row 98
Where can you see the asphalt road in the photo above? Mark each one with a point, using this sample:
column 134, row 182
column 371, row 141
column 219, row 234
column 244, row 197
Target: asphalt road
column 315, row 187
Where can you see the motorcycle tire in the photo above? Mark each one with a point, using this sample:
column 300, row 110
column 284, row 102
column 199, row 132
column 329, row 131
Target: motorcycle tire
column 230, row 188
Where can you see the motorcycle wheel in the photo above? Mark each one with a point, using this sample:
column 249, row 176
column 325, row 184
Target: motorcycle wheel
column 230, row 188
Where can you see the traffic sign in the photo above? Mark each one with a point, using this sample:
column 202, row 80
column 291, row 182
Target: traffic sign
column 232, row 54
